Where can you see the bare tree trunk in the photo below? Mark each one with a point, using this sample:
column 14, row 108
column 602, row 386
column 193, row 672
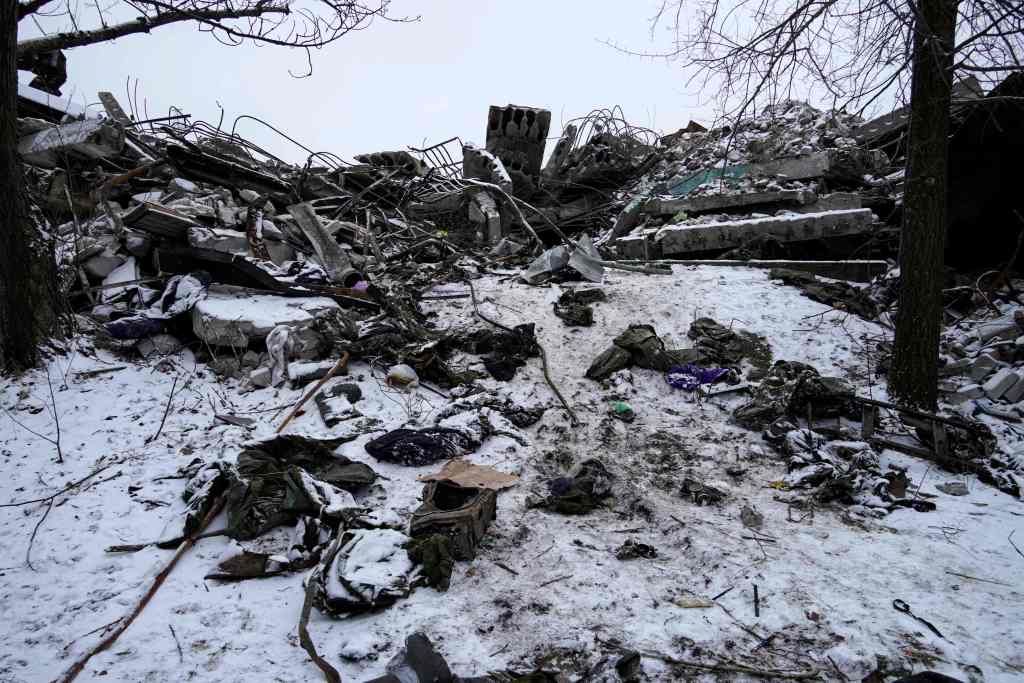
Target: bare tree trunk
column 27, row 271
column 913, row 379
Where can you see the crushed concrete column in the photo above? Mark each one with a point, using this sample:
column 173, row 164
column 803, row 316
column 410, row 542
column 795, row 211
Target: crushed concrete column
column 695, row 238
column 517, row 136
column 87, row 139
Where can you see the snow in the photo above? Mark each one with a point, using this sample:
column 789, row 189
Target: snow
column 826, row 585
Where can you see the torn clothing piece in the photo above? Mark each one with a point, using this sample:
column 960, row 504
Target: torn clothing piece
column 573, row 306
column 417, row 662
column 506, row 352
column 305, row 546
column 279, row 348
column 371, row 569
column 581, row 492
column 289, row 476
column 725, row 347
column 180, row 295
column 690, row 377
column 419, row 447
column 847, row 472
column 789, row 389
column 841, row 296
column 433, row 555
column 206, row 484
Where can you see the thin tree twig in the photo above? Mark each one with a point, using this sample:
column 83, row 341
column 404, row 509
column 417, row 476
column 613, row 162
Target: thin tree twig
column 181, row 655
column 557, row 578
column 32, row 538
column 56, row 417
column 167, row 409
column 1010, row 539
column 63, row 490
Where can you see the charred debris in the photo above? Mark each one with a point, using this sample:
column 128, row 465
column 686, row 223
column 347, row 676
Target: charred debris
column 176, row 233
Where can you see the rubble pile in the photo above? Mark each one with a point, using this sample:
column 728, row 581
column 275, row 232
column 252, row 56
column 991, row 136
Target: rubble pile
column 174, row 234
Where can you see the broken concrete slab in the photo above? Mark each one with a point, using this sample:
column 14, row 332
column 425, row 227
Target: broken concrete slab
column 101, row 265
column 853, row 271
column 234, row 242
column 88, row 139
column 1015, row 392
column 836, row 201
column 330, row 254
column 158, row 220
column 232, row 318
column 696, row 238
column 726, row 202
column 1000, row 383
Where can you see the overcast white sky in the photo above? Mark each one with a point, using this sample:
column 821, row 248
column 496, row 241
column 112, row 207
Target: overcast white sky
column 395, row 85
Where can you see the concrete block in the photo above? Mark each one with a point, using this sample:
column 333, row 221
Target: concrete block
column 260, row 377
column 1000, row 328
column 837, row 201
column 1016, row 392
column 685, row 239
column 226, row 318
column 967, row 392
column 100, row 266
column 726, row 202
column 88, row 139
column 517, row 136
column 1000, row 383
column 795, row 168
column 234, row 242
column 982, row 367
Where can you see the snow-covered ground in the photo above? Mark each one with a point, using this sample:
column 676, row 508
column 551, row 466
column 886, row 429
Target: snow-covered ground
column 826, row 584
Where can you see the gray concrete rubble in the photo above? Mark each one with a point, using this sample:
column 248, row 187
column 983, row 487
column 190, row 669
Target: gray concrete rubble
column 231, row 318
column 729, row 201
column 330, row 254
column 158, row 220
column 234, row 242
column 482, row 165
column 484, row 212
column 517, row 135
column 88, row 139
column 695, row 238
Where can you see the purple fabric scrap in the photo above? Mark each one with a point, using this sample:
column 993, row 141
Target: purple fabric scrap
column 690, row 377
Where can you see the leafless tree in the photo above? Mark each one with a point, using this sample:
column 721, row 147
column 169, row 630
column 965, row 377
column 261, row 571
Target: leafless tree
column 857, row 55
column 28, row 299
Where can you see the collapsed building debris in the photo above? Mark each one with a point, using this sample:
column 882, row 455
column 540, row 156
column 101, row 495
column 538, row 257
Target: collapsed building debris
column 277, row 275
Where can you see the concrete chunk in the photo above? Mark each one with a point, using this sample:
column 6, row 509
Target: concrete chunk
column 234, row 242
column 725, row 202
column 329, row 253
column 1000, row 383
column 982, row 367
column 87, row 139
column 228, row 318
column 685, row 239
column 1016, row 392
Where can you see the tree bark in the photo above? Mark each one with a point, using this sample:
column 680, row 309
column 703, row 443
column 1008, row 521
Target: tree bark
column 28, row 300
column 913, row 379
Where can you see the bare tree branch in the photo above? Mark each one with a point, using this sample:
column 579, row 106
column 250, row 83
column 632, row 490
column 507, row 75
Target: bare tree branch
column 31, row 7
column 144, row 24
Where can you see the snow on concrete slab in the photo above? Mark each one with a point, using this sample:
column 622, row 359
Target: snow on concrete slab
column 227, row 318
